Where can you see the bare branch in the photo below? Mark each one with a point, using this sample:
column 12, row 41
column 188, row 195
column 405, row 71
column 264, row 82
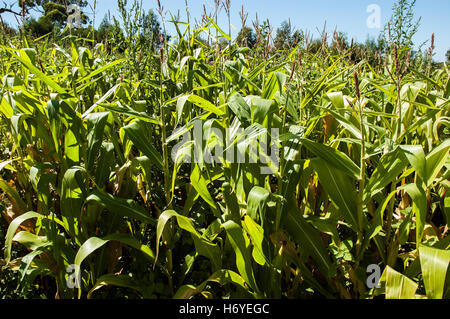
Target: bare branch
column 3, row 10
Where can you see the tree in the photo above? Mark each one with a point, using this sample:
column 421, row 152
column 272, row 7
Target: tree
column 6, row 29
column 104, row 29
column 151, row 29
column 286, row 38
column 53, row 11
column 246, row 37
column 447, row 55
column 402, row 25
column 8, row 10
column 340, row 42
column 39, row 27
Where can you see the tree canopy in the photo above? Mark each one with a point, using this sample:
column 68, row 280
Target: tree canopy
column 53, row 10
column 246, row 37
column 54, row 13
column 286, row 36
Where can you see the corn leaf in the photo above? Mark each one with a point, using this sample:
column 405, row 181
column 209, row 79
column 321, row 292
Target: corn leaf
column 240, row 244
column 399, row 286
column 434, row 263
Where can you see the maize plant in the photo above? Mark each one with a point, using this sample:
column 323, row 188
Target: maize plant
column 197, row 170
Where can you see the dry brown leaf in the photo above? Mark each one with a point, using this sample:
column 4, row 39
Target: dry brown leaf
column 13, row 211
column 328, row 122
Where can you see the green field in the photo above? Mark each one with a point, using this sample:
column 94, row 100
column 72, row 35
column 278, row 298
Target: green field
column 116, row 179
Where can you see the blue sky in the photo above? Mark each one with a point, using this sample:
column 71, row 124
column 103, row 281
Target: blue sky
column 348, row 16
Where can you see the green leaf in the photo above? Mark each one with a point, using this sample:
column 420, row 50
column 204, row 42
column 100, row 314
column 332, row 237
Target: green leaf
column 221, row 277
column 429, row 115
column 123, row 281
column 240, row 244
column 261, row 108
column 321, row 82
column 201, row 186
column 181, row 102
column 275, row 83
column 95, row 243
column 101, row 100
column 101, row 70
column 72, row 192
column 205, row 105
column 29, row 240
column 226, row 36
column 390, row 167
column 231, row 201
column 120, row 206
column 340, row 188
column 257, row 199
column 26, row 261
column 203, row 246
column 434, row 263
column 436, row 160
column 256, row 234
column 41, row 76
column 106, row 163
column 97, row 123
column 377, row 223
column 333, row 157
column 399, row 286
column 446, row 208
column 310, row 241
column 137, row 134
column 420, row 208
column 6, row 108
column 132, row 113
column 350, row 126
column 55, row 121
column 15, row 224
column 72, row 146
column 337, row 99
column 416, row 157
column 240, row 108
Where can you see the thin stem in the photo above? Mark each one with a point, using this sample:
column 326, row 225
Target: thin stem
column 362, row 176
